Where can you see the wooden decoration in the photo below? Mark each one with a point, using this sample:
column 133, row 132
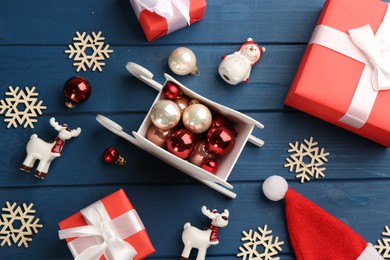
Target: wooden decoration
column 383, row 244
column 263, row 239
column 307, row 160
column 81, row 48
column 17, row 224
column 19, row 99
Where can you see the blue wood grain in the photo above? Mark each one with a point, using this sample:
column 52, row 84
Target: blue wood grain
column 255, row 163
column 116, row 90
column 55, row 23
column 33, row 38
column 158, row 206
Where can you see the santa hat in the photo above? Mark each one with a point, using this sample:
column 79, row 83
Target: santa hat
column 314, row 233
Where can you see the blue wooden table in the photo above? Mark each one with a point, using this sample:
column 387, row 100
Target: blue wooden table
column 33, row 38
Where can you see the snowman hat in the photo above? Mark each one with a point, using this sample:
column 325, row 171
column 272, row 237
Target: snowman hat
column 250, row 41
column 314, row 233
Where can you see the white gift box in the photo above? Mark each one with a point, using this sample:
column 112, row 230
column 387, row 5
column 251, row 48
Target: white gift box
column 242, row 124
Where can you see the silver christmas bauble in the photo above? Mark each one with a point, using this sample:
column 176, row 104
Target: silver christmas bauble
column 165, row 114
column 197, row 118
column 182, row 61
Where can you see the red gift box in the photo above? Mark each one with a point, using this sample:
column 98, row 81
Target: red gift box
column 328, row 83
column 156, row 26
column 121, row 220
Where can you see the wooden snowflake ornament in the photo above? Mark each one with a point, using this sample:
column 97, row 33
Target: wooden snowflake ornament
column 307, row 159
column 260, row 245
column 88, row 51
column 383, row 244
column 21, row 107
column 17, row 224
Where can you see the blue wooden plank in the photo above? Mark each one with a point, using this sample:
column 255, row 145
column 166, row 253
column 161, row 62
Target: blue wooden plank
column 165, row 208
column 116, row 90
column 81, row 161
column 33, row 37
column 56, row 22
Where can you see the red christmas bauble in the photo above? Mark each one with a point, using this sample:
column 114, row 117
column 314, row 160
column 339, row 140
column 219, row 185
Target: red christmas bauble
column 111, row 155
column 219, row 120
column 171, row 90
column 220, row 140
column 210, row 165
column 181, row 143
column 76, row 89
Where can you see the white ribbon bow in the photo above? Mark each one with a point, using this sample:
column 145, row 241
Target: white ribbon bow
column 374, row 51
column 376, row 48
column 164, row 8
column 101, row 228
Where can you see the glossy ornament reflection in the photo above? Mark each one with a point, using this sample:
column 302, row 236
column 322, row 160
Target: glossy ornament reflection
column 182, row 61
column 197, row 118
column 77, row 90
column 111, row 155
column 210, row 165
column 181, row 143
column 171, row 91
column 200, row 153
column 219, row 120
column 220, row 140
column 165, row 114
column 183, row 102
column 158, row 136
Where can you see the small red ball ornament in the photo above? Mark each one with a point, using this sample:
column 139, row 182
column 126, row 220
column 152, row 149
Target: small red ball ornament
column 219, row 120
column 210, row 165
column 77, row 90
column 171, row 91
column 181, row 143
column 111, row 155
column 220, row 140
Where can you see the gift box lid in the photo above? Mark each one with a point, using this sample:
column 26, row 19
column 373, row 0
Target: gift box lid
column 326, row 81
column 115, row 204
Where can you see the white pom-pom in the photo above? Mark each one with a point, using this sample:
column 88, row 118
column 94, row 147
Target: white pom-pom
column 275, row 187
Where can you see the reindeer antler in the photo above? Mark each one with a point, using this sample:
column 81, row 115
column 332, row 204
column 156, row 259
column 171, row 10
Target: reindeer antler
column 225, row 212
column 208, row 213
column 205, row 211
column 55, row 124
column 75, row 132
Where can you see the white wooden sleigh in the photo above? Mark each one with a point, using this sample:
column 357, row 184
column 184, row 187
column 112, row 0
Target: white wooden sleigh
column 243, row 125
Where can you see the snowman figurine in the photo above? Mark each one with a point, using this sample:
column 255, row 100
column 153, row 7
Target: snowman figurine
column 236, row 67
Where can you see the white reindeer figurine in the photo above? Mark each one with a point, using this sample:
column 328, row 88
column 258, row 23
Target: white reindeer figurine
column 202, row 239
column 46, row 152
